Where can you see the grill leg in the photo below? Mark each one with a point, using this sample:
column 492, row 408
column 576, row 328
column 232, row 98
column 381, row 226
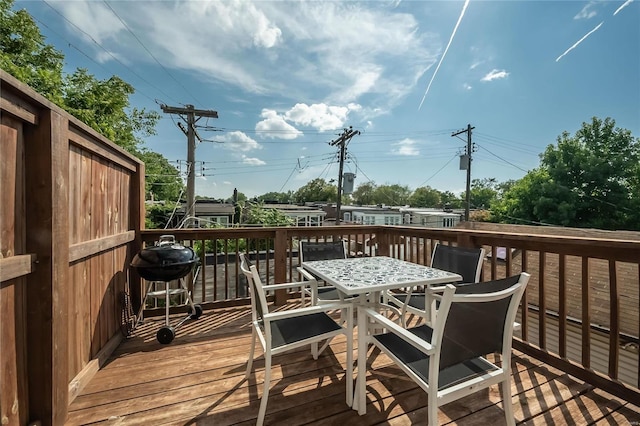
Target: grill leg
column 166, row 304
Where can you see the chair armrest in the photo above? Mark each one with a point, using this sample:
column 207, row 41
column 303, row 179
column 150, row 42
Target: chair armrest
column 308, row 310
column 399, row 331
column 282, row 286
column 306, row 274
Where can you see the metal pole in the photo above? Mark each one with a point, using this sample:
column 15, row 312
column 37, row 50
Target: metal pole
column 468, row 195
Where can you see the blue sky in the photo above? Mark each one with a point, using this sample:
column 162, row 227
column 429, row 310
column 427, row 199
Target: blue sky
column 287, row 77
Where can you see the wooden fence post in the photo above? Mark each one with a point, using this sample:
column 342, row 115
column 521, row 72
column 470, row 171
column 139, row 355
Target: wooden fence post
column 47, row 235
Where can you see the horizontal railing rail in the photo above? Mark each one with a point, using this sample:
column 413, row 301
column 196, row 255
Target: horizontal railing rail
column 581, row 288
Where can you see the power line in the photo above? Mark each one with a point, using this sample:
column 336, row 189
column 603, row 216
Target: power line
column 103, row 48
column 149, row 52
column 438, row 171
column 506, row 161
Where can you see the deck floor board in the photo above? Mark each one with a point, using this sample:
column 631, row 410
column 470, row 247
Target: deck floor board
column 198, row 379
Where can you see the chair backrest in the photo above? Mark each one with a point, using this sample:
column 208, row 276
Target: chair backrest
column 461, row 260
column 259, row 305
column 325, row 250
column 479, row 319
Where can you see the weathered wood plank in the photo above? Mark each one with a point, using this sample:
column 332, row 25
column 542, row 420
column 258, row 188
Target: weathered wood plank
column 89, row 248
column 16, row 266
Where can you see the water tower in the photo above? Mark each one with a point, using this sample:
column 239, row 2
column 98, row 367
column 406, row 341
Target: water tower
column 347, row 185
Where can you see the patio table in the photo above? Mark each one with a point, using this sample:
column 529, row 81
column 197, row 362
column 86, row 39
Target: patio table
column 367, row 277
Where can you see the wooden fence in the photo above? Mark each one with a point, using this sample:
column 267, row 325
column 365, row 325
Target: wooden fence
column 70, row 205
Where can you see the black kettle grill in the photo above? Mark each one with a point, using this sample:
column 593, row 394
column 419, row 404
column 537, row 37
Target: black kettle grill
column 167, row 261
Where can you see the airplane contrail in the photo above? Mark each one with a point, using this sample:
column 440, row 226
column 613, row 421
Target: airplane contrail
column 464, row 8
column 580, row 41
column 625, row 4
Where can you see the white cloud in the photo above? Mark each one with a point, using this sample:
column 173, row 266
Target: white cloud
column 252, row 161
column 347, row 50
column 406, row 147
column 321, row 116
column 238, row 141
column 467, row 86
column 587, row 12
column 275, row 126
column 495, row 74
column 476, row 65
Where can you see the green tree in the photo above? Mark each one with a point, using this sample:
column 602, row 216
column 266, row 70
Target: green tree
column 363, row 194
column 158, row 215
column 484, row 193
column 161, row 178
column 104, row 105
column 277, row 197
column 257, row 214
column 450, row 200
column 425, row 196
column 25, row 55
column 591, row 180
column 600, row 165
column 316, row 190
column 537, row 199
column 391, row 195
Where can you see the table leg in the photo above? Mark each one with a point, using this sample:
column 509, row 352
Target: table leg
column 360, row 400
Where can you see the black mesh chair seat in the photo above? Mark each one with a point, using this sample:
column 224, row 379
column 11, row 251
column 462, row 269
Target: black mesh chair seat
column 291, row 330
column 418, row 362
column 329, row 293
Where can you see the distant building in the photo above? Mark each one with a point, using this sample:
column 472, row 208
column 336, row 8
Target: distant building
column 429, row 218
column 371, row 215
column 206, row 213
column 301, row 215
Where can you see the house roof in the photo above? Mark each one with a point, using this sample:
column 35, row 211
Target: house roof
column 627, row 275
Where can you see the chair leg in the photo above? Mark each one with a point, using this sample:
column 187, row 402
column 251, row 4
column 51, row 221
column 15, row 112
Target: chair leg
column 265, row 390
column 432, row 407
column 254, row 335
column 507, row 401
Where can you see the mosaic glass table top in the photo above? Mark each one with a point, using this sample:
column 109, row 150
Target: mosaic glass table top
column 369, row 274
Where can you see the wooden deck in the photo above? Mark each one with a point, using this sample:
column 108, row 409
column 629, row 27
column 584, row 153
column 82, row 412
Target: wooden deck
column 198, row 379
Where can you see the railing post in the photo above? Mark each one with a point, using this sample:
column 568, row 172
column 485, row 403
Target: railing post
column 384, row 241
column 280, row 264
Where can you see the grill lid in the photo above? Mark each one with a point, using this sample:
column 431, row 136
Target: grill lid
column 165, row 261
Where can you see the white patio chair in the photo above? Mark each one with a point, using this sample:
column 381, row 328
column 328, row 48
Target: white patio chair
column 448, row 360
column 289, row 329
column 322, row 250
column 464, row 261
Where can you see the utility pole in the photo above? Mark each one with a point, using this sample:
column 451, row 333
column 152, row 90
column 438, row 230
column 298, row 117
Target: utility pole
column 191, row 120
column 468, row 167
column 342, row 140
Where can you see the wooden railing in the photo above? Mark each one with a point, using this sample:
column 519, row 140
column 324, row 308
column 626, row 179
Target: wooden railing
column 579, row 314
